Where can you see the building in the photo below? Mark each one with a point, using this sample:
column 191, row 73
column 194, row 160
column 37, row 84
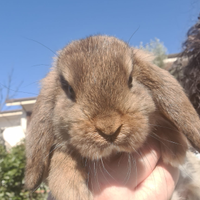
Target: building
column 13, row 123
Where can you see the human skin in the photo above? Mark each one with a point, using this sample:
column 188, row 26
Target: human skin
column 138, row 176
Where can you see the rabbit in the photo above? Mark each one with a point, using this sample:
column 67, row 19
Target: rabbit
column 100, row 98
column 188, row 186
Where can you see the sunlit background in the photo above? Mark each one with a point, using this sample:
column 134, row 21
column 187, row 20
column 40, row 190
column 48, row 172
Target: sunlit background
column 31, row 32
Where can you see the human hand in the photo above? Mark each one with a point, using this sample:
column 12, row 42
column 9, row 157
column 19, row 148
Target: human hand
column 137, row 176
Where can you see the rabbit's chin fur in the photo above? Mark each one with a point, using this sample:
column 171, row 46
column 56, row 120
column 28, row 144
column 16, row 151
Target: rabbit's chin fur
column 101, row 98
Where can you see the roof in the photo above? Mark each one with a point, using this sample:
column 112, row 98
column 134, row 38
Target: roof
column 26, row 103
column 10, row 113
column 174, row 60
column 174, row 55
column 20, row 100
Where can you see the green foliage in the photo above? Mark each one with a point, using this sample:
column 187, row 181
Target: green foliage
column 12, row 166
column 158, row 49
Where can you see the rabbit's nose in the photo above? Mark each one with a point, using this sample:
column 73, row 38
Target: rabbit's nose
column 108, row 131
column 108, row 126
column 108, row 134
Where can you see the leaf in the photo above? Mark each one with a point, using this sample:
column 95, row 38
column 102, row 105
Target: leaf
column 12, row 167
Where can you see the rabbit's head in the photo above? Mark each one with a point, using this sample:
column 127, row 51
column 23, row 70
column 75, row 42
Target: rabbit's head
column 104, row 97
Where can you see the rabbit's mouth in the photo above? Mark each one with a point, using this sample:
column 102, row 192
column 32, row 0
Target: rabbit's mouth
column 107, row 150
column 111, row 150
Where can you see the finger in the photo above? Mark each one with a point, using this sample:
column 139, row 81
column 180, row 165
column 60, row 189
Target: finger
column 114, row 183
column 159, row 185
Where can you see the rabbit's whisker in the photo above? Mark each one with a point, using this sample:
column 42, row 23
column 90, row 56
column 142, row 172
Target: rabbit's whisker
column 128, row 175
column 163, row 139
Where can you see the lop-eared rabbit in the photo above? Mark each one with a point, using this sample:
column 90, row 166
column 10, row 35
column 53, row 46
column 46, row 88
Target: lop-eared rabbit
column 101, row 98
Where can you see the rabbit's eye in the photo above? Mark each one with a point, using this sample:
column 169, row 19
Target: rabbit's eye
column 130, row 82
column 70, row 91
column 67, row 88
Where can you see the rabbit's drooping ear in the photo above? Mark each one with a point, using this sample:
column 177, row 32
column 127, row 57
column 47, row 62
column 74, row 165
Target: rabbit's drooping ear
column 169, row 97
column 40, row 136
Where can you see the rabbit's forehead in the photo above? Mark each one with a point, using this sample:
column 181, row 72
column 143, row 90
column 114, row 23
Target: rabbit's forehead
column 96, row 61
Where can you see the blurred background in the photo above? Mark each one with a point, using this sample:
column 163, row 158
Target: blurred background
column 33, row 31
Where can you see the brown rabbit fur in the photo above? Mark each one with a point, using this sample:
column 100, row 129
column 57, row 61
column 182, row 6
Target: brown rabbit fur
column 103, row 97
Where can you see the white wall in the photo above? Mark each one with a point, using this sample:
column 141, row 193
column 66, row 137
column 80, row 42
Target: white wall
column 9, row 121
column 13, row 126
column 13, row 135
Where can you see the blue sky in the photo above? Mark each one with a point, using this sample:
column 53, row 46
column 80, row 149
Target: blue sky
column 55, row 23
